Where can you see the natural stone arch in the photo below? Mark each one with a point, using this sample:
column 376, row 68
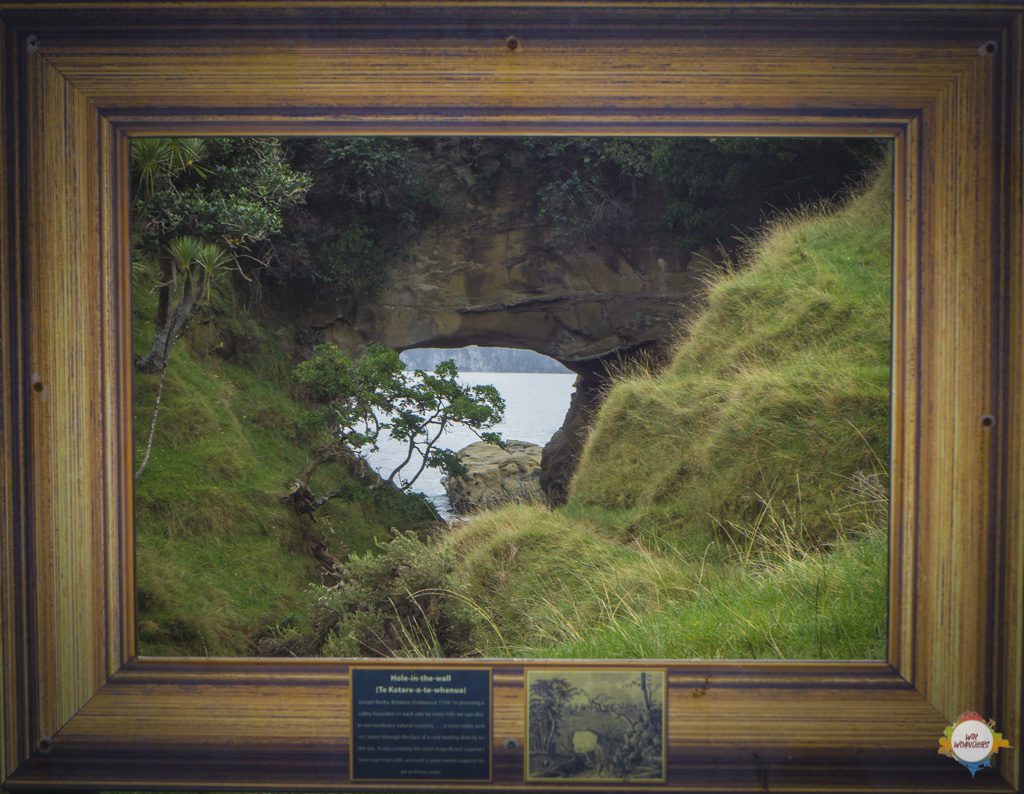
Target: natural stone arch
column 504, row 280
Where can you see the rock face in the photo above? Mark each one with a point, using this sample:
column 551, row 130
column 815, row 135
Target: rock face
column 562, row 452
column 510, row 288
column 483, row 359
column 487, row 273
column 495, row 476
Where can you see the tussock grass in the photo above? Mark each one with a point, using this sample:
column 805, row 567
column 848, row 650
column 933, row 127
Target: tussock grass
column 733, row 503
column 730, row 503
column 822, row 606
column 221, row 559
column 559, row 586
column 782, row 379
column 544, row 576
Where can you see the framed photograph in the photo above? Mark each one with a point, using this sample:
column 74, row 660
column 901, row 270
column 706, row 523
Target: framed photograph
column 595, row 725
column 105, row 685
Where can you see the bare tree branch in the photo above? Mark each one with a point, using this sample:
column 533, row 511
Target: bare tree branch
column 152, row 424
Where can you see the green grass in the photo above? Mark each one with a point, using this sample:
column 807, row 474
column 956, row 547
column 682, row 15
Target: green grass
column 781, row 385
column 221, row 560
column 554, row 586
column 733, row 504
column 730, row 505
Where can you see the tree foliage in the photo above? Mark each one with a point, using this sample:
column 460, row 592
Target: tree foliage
column 399, row 600
column 232, row 191
column 200, row 207
column 369, row 197
column 719, row 187
column 154, row 160
column 355, row 403
column 599, row 191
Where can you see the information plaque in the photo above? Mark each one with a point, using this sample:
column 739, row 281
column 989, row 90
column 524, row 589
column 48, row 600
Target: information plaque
column 421, row 724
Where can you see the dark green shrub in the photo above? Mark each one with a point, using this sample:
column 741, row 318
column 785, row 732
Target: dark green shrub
column 400, row 600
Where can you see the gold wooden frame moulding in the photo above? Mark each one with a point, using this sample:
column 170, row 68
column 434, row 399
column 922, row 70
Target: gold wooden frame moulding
column 943, row 79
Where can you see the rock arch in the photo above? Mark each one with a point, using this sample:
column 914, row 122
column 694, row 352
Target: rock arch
column 501, row 281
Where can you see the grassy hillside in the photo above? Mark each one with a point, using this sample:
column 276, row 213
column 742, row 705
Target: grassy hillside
column 221, row 559
column 780, row 389
column 732, row 504
column 735, row 503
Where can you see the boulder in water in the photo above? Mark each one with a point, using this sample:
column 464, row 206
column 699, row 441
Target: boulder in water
column 495, row 475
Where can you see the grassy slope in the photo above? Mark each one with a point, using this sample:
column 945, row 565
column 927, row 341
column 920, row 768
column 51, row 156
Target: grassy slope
column 705, row 490
column 220, row 558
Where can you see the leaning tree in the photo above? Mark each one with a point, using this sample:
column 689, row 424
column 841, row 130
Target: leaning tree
column 355, row 403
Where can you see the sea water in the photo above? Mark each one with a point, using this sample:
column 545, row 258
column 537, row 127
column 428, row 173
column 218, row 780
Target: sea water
column 535, row 407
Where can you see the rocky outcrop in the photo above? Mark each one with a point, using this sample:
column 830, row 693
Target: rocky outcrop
column 511, row 289
column 495, row 475
column 562, row 452
column 487, row 273
column 475, row 358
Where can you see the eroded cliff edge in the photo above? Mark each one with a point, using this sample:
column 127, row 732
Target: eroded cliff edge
column 492, row 274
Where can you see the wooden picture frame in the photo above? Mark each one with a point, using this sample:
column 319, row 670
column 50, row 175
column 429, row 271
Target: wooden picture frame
column 943, row 79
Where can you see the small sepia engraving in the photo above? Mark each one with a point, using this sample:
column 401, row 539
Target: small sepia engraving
column 606, row 725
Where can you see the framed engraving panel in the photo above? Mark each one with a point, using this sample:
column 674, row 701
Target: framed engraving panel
column 942, row 80
column 596, row 726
